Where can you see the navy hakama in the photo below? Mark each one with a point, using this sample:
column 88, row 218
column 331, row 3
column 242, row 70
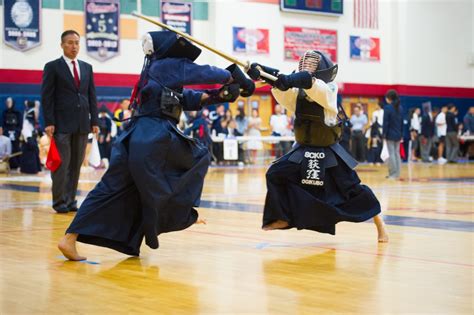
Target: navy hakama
column 156, row 173
column 317, row 208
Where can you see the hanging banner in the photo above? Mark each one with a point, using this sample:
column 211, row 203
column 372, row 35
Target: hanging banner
column 297, row 40
column 251, row 41
column 365, row 48
column 22, row 23
column 177, row 15
column 102, row 28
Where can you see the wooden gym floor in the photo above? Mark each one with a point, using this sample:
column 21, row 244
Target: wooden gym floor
column 230, row 266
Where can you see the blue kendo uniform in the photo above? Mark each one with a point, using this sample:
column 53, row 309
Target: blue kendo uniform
column 156, row 173
column 314, row 185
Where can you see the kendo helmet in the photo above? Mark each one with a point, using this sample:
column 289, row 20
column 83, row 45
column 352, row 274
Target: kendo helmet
column 319, row 65
column 164, row 44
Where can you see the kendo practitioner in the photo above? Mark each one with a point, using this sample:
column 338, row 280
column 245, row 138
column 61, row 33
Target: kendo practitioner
column 30, row 161
column 156, row 173
column 314, row 186
column 12, row 125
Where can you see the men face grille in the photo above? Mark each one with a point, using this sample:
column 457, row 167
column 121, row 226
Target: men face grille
column 309, row 62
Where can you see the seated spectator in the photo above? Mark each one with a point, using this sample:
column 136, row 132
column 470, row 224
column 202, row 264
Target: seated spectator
column 121, row 114
column 231, row 131
column 468, row 122
column 5, row 147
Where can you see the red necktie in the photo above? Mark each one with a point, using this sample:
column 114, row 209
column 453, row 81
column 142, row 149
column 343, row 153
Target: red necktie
column 76, row 75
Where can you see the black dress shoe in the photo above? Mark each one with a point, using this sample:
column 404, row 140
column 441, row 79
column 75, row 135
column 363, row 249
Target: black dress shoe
column 73, row 209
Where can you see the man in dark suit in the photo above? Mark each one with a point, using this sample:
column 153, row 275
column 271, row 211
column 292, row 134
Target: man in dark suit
column 70, row 112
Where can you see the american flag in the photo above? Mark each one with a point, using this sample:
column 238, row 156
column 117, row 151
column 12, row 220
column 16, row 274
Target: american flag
column 366, row 14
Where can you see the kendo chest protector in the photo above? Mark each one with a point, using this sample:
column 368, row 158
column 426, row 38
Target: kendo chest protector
column 310, row 128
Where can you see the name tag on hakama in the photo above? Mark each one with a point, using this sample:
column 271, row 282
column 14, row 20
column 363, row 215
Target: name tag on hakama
column 313, row 167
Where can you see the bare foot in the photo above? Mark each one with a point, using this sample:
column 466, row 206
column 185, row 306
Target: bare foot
column 382, row 234
column 278, row 224
column 383, row 237
column 67, row 245
column 200, row 221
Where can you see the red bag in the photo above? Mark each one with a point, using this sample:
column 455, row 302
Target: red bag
column 53, row 161
column 403, row 154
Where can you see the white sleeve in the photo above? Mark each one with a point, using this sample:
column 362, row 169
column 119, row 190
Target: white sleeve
column 325, row 94
column 286, row 98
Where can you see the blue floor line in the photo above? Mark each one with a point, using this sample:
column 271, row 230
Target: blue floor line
column 450, row 225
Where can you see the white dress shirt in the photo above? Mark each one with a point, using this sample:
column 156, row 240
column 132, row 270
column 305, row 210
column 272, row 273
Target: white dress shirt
column 441, row 125
column 71, row 67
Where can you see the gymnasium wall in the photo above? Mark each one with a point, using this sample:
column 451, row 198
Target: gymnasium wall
column 425, row 45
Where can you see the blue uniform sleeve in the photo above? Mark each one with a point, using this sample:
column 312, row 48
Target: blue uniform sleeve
column 203, row 74
column 177, row 72
column 386, row 121
column 191, row 99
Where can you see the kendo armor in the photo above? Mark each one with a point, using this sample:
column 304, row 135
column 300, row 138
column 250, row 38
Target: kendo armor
column 310, row 128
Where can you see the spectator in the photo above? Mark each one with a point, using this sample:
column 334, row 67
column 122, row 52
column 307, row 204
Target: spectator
column 452, row 141
column 375, row 136
column 415, row 130
column 70, row 113
column 441, row 133
column 392, row 132
column 5, row 147
column 30, row 161
column 198, row 127
column 346, row 135
column 241, row 120
column 218, row 120
column 105, row 134
column 121, row 114
column 279, row 123
column 358, row 121
column 11, row 125
column 231, row 131
column 254, row 146
column 377, row 114
column 427, row 134
column 468, row 121
column 227, row 118
column 216, row 117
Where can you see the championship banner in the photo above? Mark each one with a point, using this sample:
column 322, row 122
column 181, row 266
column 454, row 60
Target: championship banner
column 300, row 39
column 22, row 23
column 251, row 41
column 365, row 48
column 102, row 28
column 177, row 15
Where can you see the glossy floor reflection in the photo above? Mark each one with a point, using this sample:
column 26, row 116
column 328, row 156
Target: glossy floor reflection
column 230, row 266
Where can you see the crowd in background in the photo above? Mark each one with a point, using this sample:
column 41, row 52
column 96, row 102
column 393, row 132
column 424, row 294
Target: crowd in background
column 221, row 123
column 434, row 134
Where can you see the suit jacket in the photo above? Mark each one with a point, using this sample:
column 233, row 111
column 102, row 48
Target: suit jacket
column 68, row 108
column 427, row 126
column 392, row 123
